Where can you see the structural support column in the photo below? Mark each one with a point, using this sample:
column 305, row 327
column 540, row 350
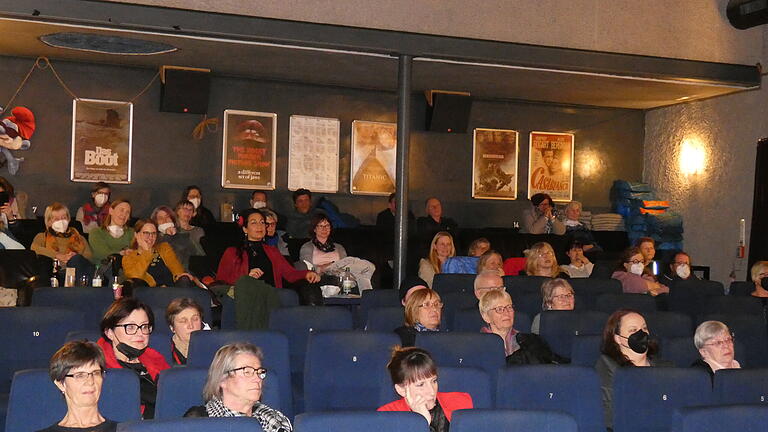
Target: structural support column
column 403, row 140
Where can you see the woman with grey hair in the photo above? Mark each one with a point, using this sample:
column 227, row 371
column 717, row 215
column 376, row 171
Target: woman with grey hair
column 714, row 341
column 78, row 370
column 234, row 387
column 556, row 294
column 576, row 230
column 274, row 236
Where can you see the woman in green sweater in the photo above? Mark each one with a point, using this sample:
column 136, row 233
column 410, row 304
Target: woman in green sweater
column 114, row 236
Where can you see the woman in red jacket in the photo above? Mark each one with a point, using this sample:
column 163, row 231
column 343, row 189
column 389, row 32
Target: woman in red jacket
column 258, row 260
column 125, row 331
column 414, row 375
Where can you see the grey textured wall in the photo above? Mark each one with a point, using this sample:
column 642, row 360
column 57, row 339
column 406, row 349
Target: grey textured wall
column 166, row 158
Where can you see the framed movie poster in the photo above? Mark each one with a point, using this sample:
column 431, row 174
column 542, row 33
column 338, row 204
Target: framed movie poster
column 550, row 165
column 374, row 151
column 248, row 153
column 313, row 154
column 101, row 141
column 494, row 166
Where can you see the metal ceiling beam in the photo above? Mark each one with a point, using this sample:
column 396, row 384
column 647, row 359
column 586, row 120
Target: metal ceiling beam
column 383, row 42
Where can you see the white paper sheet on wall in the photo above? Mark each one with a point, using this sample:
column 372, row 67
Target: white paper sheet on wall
column 313, row 154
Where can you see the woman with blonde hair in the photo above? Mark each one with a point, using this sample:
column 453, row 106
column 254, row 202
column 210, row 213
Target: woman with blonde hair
column 440, row 250
column 491, row 260
column 541, row 261
column 63, row 242
column 759, row 271
column 114, row 236
column 423, row 312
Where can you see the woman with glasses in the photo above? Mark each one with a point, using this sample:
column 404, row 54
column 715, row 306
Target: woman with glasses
column 414, row 375
column 631, row 273
column 275, row 236
column 234, row 388
column 714, row 341
column 321, row 251
column 540, row 260
column 556, row 294
column 77, row 369
column 625, row 343
column 154, row 264
column 125, row 331
column 423, row 312
column 498, row 312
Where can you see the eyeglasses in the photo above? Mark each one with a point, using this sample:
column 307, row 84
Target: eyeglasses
column 148, row 233
column 493, row 288
column 249, row 372
column 680, row 263
column 563, row 297
column 82, row 376
column 545, row 254
column 131, row 329
column 324, row 226
column 435, row 304
column 502, row 309
column 723, row 342
column 269, row 224
column 634, row 262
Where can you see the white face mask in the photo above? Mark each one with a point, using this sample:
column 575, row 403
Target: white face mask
column 195, row 202
column 637, row 268
column 683, row 271
column 60, row 226
column 100, row 199
column 258, row 204
column 163, row 227
column 116, row 231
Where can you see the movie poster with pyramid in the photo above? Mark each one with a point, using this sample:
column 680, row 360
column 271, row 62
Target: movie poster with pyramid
column 374, row 150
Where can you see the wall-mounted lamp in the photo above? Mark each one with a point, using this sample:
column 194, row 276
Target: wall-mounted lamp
column 693, row 157
column 589, row 164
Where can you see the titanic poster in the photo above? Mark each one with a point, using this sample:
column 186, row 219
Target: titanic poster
column 373, row 158
column 550, row 165
column 101, row 141
column 494, row 169
column 248, row 153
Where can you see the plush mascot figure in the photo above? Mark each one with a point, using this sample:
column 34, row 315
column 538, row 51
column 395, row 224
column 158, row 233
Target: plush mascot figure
column 15, row 132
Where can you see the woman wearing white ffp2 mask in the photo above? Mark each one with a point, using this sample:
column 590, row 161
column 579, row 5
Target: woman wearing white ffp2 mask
column 679, row 269
column 630, row 274
column 93, row 213
column 202, row 216
column 62, row 242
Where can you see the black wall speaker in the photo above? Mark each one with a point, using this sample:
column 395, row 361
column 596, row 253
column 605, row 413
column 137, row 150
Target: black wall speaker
column 744, row 14
column 185, row 90
column 449, row 112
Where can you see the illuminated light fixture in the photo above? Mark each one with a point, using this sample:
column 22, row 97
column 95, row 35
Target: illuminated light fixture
column 693, row 157
column 590, row 164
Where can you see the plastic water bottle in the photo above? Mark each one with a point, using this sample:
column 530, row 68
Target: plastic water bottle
column 96, row 278
column 348, row 282
column 54, row 278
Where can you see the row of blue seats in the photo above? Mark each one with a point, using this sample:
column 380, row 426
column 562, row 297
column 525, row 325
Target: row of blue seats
column 36, row 403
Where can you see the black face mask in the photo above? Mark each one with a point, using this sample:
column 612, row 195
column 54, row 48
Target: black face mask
column 638, row 341
column 764, row 282
column 129, row 351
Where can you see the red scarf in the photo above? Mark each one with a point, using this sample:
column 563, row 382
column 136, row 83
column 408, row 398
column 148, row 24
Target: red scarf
column 151, row 359
column 91, row 214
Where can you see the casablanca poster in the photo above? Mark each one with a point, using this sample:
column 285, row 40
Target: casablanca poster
column 494, row 169
column 101, row 141
column 374, row 151
column 248, row 153
column 550, row 165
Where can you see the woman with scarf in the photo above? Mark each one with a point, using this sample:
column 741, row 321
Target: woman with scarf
column 540, row 218
column 62, row 242
column 321, row 251
column 93, row 213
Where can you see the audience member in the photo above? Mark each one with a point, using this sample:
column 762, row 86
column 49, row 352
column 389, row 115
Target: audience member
column 759, row 272
column 540, row 217
column 258, row 200
column 202, row 217
column 625, row 343
column 77, row 369
column 234, row 388
column 540, row 260
column 647, row 248
column 631, row 274
column 184, row 316
column 580, row 266
column 155, row 264
column 440, row 249
column 434, row 221
column 185, row 210
column 414, row 375
column 125, row 331
column 491, row 260
column 299, row 219
column 556, row 294
column 488, row 280
column 409, row 285
column 679, row 269
column 13, row 204
column 7, row 239
column 62, row 242
column 114, row 236
column 478, row 247
column 714, row 341
column 91, row 214
column 386, row 218
column 167, row 232
column 275, row 236
column 261, row 262
column 498, row 312
column 321, row 251
column 423, row 312
column 576, row 230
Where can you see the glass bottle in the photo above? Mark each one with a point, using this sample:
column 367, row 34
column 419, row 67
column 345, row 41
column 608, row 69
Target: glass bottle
column 54, row 276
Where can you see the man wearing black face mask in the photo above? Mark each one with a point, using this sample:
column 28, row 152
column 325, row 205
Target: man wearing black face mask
column 626, row 343
column 125, row 330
